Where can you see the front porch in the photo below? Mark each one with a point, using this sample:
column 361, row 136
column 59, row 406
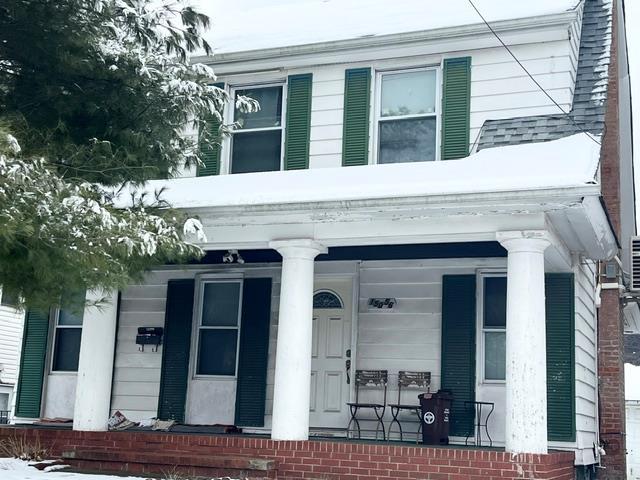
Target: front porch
column 260, row 457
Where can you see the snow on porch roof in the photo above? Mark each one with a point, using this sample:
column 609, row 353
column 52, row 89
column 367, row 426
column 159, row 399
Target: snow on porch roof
column 566, row 163
column 244, row 25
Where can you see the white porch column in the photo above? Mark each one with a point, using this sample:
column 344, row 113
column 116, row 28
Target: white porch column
column 291, row 396
column 526, row 375
column 95, row 366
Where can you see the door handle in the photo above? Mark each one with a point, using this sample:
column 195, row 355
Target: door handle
column 348, row 367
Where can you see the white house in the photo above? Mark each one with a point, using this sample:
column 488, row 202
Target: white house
column 407, row 199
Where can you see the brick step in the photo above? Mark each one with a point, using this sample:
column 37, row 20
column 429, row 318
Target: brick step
column 159, row 462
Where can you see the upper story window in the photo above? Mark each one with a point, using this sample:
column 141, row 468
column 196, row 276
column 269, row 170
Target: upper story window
column 407, row 116
column 257, row 143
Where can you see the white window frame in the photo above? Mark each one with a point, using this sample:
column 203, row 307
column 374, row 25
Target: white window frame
column 56, row 326
column 230, row 114
column 481, row 329
column 377, row 103
column 201, row 281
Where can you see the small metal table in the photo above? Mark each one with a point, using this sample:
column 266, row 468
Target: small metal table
column 478, row 424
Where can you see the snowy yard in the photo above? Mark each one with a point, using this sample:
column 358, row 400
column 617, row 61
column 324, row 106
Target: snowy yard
column 13, row 469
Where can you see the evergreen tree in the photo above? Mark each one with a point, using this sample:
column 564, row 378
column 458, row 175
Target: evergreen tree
column 95, row 94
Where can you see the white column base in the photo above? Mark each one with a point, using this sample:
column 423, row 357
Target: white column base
column 95, row 366
column 291, row 396
column 526, row 374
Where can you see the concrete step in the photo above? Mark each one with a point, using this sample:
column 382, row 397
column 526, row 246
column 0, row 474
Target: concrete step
column 159, row 462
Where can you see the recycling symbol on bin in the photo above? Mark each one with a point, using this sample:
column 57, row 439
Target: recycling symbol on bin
column 429, row 418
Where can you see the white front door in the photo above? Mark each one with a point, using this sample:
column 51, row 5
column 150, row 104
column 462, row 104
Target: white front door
column 331, row 350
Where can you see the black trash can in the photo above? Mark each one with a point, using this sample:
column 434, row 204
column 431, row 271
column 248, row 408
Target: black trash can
column 436, row 410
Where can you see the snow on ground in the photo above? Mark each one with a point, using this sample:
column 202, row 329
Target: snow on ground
column 13, row 469
column 244, row 25
column 566, row 163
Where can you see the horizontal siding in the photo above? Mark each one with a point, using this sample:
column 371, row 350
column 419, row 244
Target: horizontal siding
column 11, row 323
column 586, row 359
column 136, row 382
column 408, row 337
column 500, row 88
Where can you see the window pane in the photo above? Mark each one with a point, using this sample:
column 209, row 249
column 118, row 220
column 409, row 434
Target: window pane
column 495, row 302
column 4, row 402
column 270, row 113
column 9, row 300
column 67, row 349
column 408, row 93
column 494, row 355
column 220, row 304
column 411, row 140
column 71, row 316
column 217, row 352
column 256, row 151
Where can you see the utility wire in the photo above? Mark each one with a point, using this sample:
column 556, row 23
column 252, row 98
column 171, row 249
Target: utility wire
column 531, row 76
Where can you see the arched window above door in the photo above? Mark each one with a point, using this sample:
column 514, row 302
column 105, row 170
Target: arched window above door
column 327, row 299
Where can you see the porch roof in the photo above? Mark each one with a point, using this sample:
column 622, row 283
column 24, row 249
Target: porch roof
column 567, row 163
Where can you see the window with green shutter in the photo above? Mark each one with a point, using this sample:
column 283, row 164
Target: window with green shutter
column 32, row 364
column 297, row 136
column 355, row 136
column 210, row 154
column 560, row 312
column 459, row 348
column 456, row 100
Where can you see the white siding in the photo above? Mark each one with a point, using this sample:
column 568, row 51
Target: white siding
column 586, row 359
column 136, row 382
column 11, row 322
column 500, row 88
column 404, row 338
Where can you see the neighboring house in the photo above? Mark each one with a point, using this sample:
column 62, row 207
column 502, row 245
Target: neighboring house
column 11, row 320
column 402, row 171
column 632, row 397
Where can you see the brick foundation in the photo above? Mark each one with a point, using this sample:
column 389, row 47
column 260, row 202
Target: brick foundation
column 326, row 460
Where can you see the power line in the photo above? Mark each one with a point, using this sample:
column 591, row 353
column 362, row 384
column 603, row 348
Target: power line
column 542, row 89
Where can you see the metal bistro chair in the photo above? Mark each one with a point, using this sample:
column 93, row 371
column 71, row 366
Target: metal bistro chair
column 415, row 381
column 369, row 379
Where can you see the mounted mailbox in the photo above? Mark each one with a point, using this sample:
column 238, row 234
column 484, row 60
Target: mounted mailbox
column 149, row 336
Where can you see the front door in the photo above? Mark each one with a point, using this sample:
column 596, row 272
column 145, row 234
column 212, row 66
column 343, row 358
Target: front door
column 331, row 350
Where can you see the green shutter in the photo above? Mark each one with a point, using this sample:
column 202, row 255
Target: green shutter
column 175, row 350
column 251, row 389
column 210, row 154
column 458, row 368
column 32, row 364
column 560, row 301
column 456, row 100
column 355, row 136
column 296, row 148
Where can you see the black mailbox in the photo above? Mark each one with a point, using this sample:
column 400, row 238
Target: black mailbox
column 149, row 336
